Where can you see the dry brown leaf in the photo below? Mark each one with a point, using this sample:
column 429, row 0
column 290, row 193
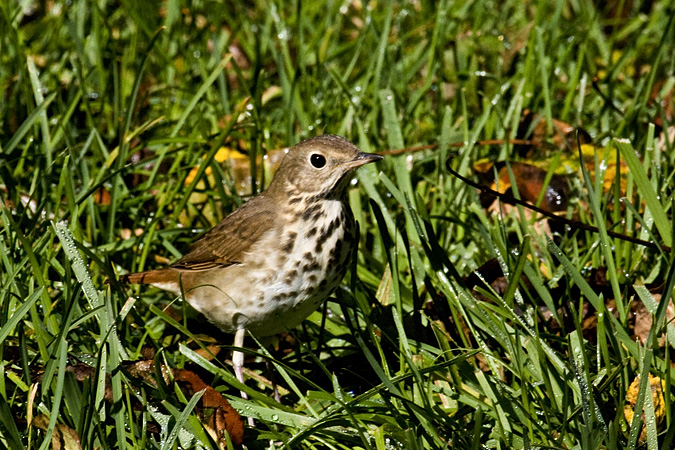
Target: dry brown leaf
column 224, row 417
column 210, row 352
column 643, row 321
column 563, row 137
column 63, row 437
column 529, row 181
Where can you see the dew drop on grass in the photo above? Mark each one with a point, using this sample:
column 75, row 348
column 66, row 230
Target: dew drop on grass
column 79, row 268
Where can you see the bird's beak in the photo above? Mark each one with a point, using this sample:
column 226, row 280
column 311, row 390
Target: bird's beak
column 364, row 158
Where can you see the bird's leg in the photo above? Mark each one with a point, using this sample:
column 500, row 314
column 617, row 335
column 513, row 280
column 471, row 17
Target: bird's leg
column 238, row 358
column 238, row 364
column 273, row 379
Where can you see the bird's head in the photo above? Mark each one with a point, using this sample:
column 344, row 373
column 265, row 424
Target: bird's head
column 319, row 166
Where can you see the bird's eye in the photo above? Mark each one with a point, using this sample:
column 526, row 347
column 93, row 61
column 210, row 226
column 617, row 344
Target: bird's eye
column 318, row 160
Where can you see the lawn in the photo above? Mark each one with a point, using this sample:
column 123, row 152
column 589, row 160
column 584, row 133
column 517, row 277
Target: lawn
column 469, row 319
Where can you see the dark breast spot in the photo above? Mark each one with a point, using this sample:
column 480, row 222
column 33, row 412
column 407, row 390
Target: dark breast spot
column 280, row 297
column 314, row 210
column 337, row 250
column 326, row 234
column 290, row 242
column 336, row 255
column 327, row 231
column 311, row 265
column 319, row 243
column 290, row 276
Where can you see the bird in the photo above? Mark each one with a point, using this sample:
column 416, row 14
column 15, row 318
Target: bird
column 269, row 264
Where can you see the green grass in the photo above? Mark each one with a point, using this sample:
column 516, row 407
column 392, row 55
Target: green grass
column 129, row 97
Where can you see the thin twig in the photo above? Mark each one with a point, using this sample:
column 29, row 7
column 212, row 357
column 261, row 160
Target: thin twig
column 575, row 225
column 400, row 151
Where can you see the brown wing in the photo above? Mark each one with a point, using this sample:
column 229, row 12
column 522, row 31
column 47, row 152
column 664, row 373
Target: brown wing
column 225, row 244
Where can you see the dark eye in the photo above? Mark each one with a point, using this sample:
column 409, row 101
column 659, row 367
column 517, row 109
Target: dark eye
column 317, row 160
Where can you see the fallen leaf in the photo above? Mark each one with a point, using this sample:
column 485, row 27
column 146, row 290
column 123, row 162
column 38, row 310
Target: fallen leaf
column 657, row 386
column 224, row 418
column 63, row 437
column 564, row 136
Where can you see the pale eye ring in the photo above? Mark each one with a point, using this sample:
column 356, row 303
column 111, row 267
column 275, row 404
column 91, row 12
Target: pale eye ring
column 317, row 160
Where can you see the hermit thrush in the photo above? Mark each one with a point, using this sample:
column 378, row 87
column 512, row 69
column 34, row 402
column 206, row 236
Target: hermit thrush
column 271, row 262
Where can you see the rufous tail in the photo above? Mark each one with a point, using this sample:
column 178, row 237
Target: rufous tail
column 147, row 277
